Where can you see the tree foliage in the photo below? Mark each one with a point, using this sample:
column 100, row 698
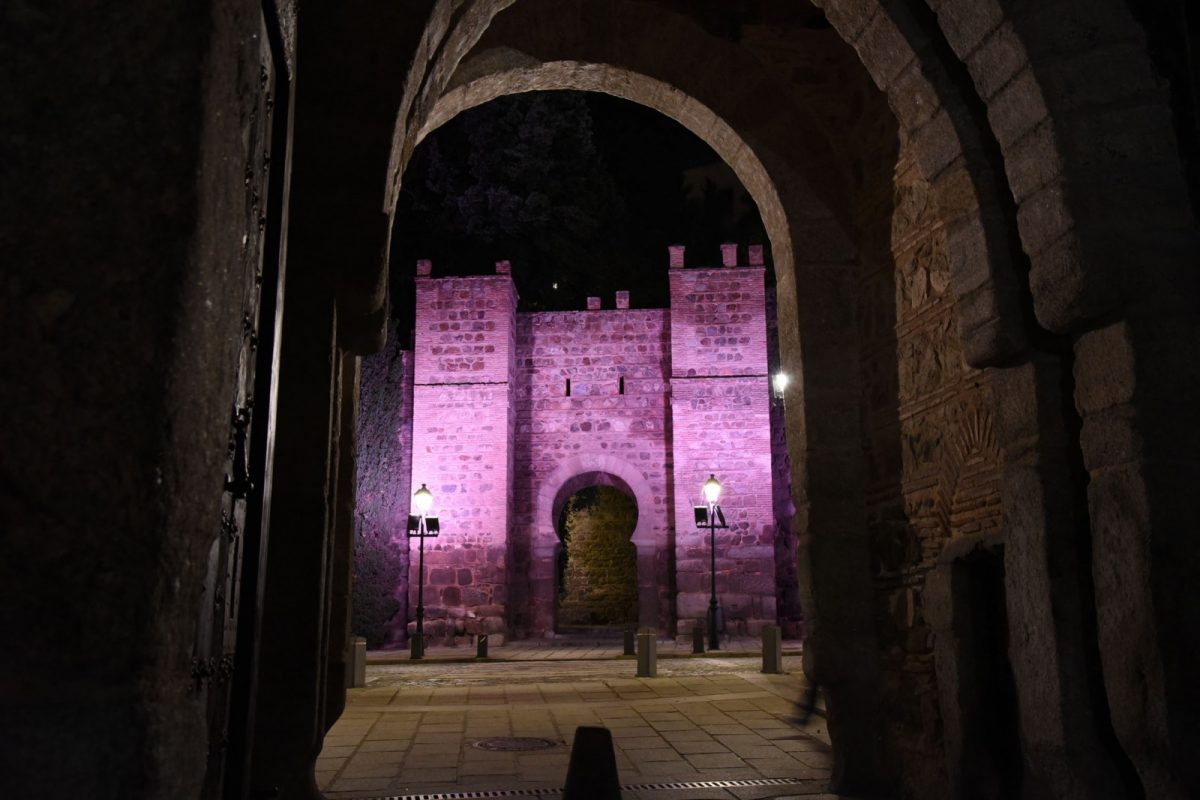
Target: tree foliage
column 519, row 178
column 599, row 585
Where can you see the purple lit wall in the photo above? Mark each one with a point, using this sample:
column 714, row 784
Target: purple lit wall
column 657, row 400
column 720, row 415
column 384, row 447
column 462, row 448
column 612, row 429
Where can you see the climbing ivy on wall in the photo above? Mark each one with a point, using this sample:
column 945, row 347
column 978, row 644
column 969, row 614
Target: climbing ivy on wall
column 600, row 579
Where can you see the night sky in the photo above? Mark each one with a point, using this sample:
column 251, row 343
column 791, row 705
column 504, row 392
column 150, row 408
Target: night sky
column 582, row 192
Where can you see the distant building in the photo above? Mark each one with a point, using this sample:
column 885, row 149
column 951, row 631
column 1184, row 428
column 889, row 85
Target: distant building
column 512, row 413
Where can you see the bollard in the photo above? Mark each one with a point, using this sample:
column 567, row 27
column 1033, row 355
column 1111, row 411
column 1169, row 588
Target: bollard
column 481, row 643
column 592, row 772
column 772, row 650
column 357, row 674
column 647, row 653
column 629, row 642
column 698, row 637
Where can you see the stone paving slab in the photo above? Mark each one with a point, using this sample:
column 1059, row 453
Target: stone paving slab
column 413, row 729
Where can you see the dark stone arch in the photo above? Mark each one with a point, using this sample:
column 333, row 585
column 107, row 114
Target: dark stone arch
column 553, row 491
column 818, row 342
column 1083, row 124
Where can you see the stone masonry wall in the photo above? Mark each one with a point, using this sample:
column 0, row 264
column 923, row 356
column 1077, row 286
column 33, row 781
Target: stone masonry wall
column 932, row 460
column 721, row 425
column 787, row 585
column 463, row 350
column 383, row 494
column 595, row 431
column 513, row 413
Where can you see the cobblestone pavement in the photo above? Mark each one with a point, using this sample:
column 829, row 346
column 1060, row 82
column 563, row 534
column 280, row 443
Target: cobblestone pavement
column 415, row 729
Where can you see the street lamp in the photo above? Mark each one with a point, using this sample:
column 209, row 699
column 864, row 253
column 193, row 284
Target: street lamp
column 422, row 526
column 710, row 516
column 779, row 383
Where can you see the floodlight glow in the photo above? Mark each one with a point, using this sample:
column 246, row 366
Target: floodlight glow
column 423, row 499
column 780, row 382
column 712, row 489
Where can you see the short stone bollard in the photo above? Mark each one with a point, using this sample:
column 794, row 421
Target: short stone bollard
column 630, row 649
column 772, row 650
column 357, row 674
column 698, row 637
column 647, row 653
column 592, row 773
column 481, row 645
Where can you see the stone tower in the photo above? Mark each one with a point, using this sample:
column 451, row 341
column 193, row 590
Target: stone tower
column 462, row 434
column 720, row 416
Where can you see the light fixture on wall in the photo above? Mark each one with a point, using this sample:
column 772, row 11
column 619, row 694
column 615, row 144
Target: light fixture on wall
column 422, row 526
column 779, row 383
column 710, row 516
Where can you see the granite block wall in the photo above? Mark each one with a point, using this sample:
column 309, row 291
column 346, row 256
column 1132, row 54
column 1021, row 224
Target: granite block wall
column 720, row 420
column 462, row 449
column 513, row 413
column 612, row 429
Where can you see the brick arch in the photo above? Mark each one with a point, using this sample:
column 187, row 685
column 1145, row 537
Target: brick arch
column 816, row 264
column 693, row 115
column 579, row 472
column 1088, row 151
column 1082, row 126
column 585, row 480
column 573, row 474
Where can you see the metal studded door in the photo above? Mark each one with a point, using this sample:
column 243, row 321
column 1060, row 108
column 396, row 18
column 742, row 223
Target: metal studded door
column 237, row 522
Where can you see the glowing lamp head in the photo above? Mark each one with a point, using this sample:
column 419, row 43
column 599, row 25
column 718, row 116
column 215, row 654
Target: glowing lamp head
column 712, row 490
column 780, row 382
column 423, row 499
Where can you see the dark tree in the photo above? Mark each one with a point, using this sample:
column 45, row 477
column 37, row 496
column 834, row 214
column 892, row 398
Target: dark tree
column 519, row 178
column 582, row 192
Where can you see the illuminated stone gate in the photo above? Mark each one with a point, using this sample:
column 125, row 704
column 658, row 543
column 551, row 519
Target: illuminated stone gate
column 514, row 412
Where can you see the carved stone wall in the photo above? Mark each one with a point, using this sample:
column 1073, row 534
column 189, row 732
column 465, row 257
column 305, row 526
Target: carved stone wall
column 932, row 459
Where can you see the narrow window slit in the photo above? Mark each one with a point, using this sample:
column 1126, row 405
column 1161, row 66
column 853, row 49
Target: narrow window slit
column 568, row 387
column 621, row 386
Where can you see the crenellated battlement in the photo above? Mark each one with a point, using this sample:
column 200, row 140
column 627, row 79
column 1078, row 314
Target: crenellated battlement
column 510, row 408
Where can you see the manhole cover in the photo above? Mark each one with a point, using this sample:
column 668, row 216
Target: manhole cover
column 510, row 743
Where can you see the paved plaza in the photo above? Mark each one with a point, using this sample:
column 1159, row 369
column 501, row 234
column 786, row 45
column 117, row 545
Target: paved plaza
column 711, row 726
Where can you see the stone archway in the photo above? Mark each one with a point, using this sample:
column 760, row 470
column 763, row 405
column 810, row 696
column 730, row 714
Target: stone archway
column 597, row 579
column 816, row 264
column 575, row 473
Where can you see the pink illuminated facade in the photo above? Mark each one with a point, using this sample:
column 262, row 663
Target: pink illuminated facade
column 512, row 413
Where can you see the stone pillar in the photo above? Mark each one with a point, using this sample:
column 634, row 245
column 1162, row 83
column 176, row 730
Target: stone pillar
column 720, row 420
column 464, row 356
column 340, row 641
column 1136, row 387
column 1047, row 620
column 825, row 446
column 647, row 575
column 288, row 731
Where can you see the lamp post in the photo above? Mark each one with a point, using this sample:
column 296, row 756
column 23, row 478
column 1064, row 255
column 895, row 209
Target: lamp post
column 710, row 516
column 422, row 526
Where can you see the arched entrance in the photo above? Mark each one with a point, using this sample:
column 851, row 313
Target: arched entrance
column 650, row 538
column 596, row 569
